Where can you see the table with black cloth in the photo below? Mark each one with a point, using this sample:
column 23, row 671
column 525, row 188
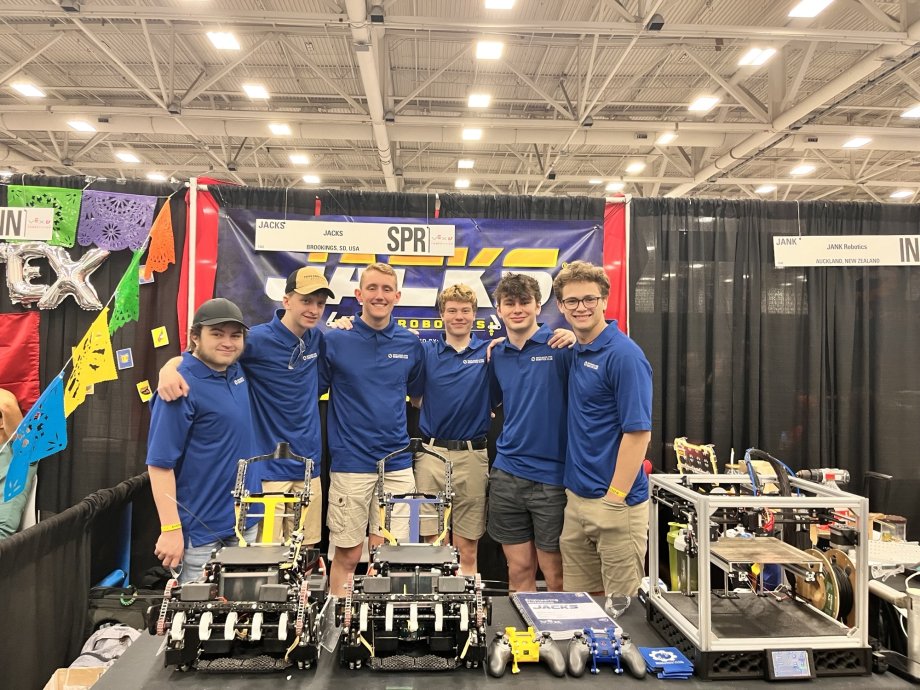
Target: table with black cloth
column 141, row 667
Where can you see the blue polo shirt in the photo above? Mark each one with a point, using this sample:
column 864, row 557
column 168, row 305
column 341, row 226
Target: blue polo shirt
column 532, row 384
column 283, row 373
column 456, row 398
column 610, row 392
column 370, row 373
column 201, row 437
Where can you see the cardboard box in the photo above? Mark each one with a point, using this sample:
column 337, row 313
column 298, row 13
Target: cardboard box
column 74, row 678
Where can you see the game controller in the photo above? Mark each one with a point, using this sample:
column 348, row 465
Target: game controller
column 523, row 646
column 603, row 648
column 631, row 657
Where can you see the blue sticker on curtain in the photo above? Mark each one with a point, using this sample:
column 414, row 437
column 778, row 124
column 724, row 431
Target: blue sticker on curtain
column 485, row 250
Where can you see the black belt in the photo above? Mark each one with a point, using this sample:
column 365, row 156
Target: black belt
column 475, row 444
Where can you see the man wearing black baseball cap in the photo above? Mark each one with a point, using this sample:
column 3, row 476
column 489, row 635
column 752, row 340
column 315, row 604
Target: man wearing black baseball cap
column 282, row 359
column 195, row 442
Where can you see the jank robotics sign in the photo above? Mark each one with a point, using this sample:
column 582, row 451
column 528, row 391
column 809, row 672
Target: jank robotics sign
column 853, row 251
column 402, row 238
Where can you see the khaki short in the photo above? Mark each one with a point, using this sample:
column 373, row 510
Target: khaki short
column 470, row 482
column 313, row 523
column 353, row 506
column 603, row 545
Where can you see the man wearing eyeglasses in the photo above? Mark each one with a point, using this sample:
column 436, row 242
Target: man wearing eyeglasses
column 282, row 360
column 605, row 534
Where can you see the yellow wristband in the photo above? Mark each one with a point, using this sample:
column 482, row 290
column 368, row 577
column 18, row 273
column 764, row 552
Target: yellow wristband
column 171, row 528
column 616, row 492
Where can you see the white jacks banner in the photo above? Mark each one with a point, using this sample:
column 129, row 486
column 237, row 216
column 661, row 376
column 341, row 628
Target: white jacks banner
column 18, row 223
column 846, row 250
column 338, row 237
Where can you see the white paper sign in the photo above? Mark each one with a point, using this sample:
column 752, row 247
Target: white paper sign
column 846, row 250
column 26, row 223
column 360, row 238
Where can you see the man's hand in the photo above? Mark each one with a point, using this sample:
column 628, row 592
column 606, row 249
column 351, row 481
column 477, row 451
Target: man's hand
column 562, row 337
column 495, row 341
column 171, row 385
column 344, row 323
column 170, row 548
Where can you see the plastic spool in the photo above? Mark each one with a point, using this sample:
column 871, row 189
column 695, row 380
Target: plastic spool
column 845, row 574
column 438, row 617
column 464, row 618
column 282, row 625
column 177, row 631
column 230, row 625
column 387, row 617
column 822, row 593
column 204, row 626
column 256, row 632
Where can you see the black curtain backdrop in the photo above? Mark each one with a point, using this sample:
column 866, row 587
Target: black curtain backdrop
column 107, row 434
column 815, row 365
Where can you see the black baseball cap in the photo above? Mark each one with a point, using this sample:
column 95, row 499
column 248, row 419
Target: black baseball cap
column 218, row 310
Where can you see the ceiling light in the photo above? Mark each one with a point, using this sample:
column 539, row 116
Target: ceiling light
column 479, row 100
column 6, row 173
column 81, row 126
column 856, row 142
column 901, row 194
column 280, row 129
column 635, row 167
column 595, row 180
column 766, row 188
column 28, row 89
column 756, row 56
column 809, row 8
column 704, row 219
column 703, row 104
column 127, row 157
column 489, row 50
column 665, row 138
column 912, row 112
column 802, row 169
column 224, row 40
column 461, row 183
column 471, row 134
column 466, row 163
column 614, row 187
column 499, row 4
column 299, row 159
column 311, row 179
column 156, row 177
column 256, row 91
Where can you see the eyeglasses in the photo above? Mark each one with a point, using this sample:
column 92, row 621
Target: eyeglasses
column 571, row 303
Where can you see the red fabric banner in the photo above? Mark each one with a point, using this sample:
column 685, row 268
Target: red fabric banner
column 19, row 356
column 615, row 262
column 205, row 257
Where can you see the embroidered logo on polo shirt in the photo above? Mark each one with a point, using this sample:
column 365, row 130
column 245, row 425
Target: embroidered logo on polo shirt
column 239, row 380
column 397, row 355
column 591, row 365
column 474, row 361
column 542, row 358
column 312, row 355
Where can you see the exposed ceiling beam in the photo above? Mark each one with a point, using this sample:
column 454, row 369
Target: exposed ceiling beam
column 751, row 104
column 199, row 88
column 15, row 69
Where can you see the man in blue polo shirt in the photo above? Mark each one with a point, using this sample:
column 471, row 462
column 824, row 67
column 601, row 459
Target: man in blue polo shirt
column 195, row 442
column 371, row 369
column 526, row 496
column 281, row 360
column 610, row 419
column 455, row 420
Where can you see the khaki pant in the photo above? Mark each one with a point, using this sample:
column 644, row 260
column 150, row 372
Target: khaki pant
column 312, row 525
column 353, row 507
column 470, row 482
column 603, row 545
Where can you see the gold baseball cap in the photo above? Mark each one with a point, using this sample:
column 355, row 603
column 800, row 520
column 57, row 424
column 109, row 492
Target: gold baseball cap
column 306, row 281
